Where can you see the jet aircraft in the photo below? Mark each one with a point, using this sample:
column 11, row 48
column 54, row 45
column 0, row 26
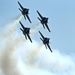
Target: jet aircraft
column 45, row 41
column 24, row 12
column 43, row 20
column 25, row 31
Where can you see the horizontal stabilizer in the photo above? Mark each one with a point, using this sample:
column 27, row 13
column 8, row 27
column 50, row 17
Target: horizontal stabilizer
column 41, row 35
column 39, row 19
column 41, row 39
column 20, row 9
column 21, row 29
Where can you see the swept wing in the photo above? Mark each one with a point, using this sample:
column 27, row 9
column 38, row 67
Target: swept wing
column 20, row 5
column 28, row 18
column 39, row 14
column 29, row 37
column 49, row 47
column 47, row 27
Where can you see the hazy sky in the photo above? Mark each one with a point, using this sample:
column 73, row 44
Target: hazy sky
column 61, row 14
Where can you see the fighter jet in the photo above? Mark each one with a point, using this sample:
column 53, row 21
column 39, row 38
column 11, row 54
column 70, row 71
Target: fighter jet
column 25, row 31
column 45, row 41
column 24, row 12
column 43, row 20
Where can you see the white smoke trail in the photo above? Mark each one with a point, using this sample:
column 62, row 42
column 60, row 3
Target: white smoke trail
column 9, row 29
column 54, row 63
column 11, row 40
column 20, row 57
column 35, row 28
column 8, row 42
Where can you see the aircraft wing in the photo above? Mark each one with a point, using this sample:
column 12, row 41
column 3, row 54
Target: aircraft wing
column 29, row 38
column 22, row 25
column 49, row 47
column 20, row 5
column 46, row 46
column 25, row 36
column 41, row 34
column 39, row 14
column 28, row 18
column 47, row 27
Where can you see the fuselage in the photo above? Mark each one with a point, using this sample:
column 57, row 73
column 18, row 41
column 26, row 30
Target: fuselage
column 26, row 31
column 44, row 20
column 46, row 40
column 25, row 11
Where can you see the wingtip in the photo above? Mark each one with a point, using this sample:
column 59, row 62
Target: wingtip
column 36, row 10
column 51, row 51
column 30, row 22
column 18, row 1
column 38, row 17
column 21, row 29
column 19, row 21
column 39, row 32
column 49, row 31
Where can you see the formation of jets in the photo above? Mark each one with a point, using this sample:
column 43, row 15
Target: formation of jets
column 26, row 30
